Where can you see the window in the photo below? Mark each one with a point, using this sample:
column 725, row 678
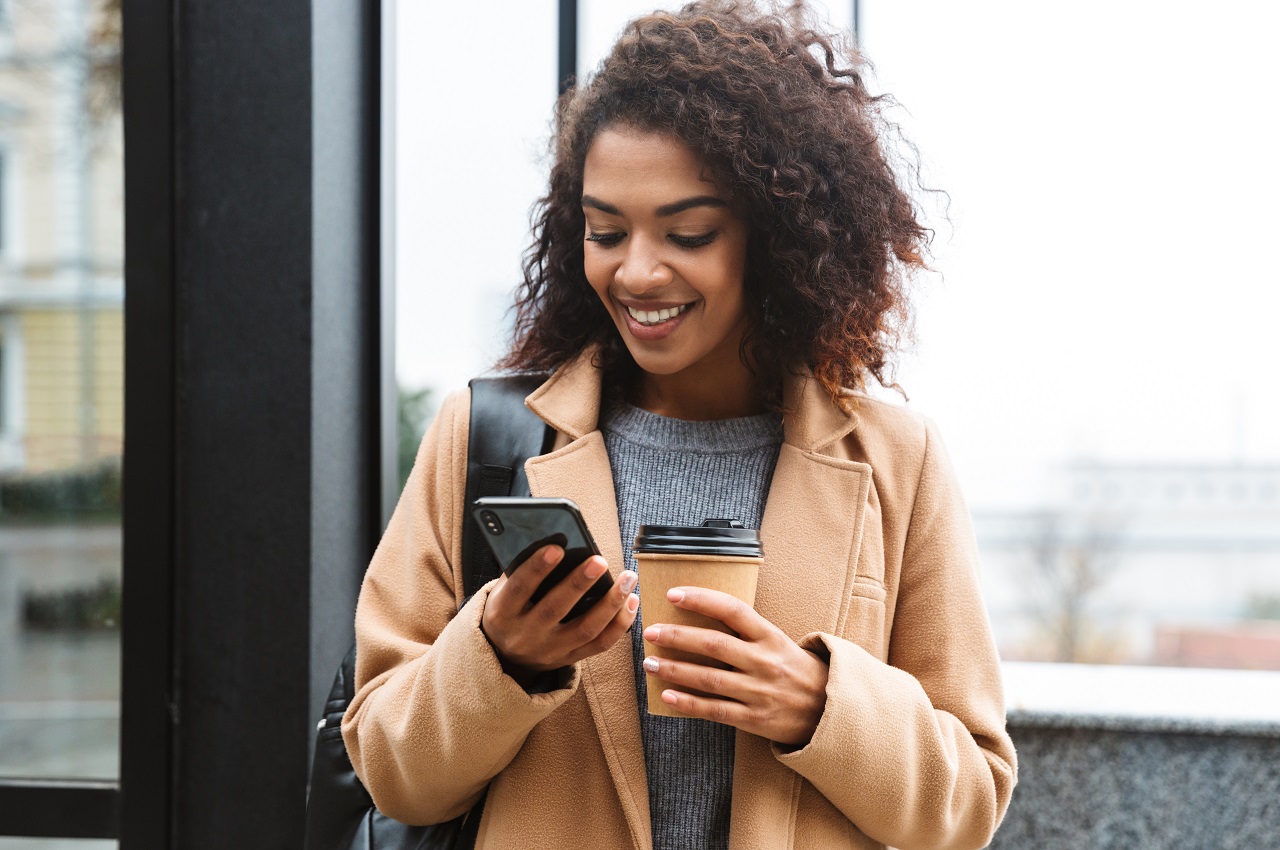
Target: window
column 12, row 410
column 4, row 187
column 61, row 405
column 1088, row 349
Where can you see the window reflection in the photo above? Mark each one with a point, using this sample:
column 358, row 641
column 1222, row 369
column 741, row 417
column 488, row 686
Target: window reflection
column 1101, row 368
column 61, row 389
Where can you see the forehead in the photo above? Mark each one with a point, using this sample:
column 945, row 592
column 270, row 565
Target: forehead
column 634, row 161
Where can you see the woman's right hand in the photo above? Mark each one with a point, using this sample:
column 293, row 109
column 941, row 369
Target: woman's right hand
column 530, row 639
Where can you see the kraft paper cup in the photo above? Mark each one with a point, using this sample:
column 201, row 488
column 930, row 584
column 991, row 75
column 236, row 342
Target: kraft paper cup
column 659, row 573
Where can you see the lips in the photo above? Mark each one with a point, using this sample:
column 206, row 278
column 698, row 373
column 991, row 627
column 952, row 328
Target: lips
column 653, row 317
column 656, row 321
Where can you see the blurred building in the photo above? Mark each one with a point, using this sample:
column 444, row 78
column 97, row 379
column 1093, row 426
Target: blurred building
column 61, row 235
column 1140, row 563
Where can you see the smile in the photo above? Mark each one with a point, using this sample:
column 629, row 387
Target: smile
column 654, row 317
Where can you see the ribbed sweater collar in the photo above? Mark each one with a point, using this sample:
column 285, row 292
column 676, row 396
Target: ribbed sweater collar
column 715, row 436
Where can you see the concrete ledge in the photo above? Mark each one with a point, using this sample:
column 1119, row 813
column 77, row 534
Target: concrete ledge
column 1100, row 789
column 1123, row 758
column 1150, row 699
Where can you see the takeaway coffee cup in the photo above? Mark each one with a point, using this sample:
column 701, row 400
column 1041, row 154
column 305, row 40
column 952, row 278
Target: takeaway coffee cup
column 720, row 554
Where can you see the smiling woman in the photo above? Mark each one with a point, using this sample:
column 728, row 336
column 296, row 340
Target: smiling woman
column 790, row 140
column 667, row 260
column 718, row 270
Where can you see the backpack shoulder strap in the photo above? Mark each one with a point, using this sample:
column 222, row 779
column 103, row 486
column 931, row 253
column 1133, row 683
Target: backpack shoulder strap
column 503, row 435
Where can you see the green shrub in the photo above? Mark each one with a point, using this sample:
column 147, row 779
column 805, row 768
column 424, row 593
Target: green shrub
column 81, row 492
column 413, row 408
column 96, row 607
column 1262, row 606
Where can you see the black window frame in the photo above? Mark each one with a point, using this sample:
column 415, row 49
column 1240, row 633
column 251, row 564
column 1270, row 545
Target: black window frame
column 259, row 409
column 256, row 345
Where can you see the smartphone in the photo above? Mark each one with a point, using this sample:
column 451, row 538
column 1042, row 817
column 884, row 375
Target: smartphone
column 515, row 528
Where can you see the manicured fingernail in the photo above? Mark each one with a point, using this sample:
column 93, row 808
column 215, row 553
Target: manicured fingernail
column 596, row 568
column 633, row 603
column 675, row 595
column 651, row 664
column 652, row 634
column 628, row 580
column 669, row 697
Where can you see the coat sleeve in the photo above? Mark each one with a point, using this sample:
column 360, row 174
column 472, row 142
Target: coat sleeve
column 914, row 751
column 434, row 717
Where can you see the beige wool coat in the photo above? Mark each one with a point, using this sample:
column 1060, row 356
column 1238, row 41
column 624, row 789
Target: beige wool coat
column 870, row 561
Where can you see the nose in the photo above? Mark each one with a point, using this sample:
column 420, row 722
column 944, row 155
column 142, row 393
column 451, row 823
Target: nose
column 642, row 268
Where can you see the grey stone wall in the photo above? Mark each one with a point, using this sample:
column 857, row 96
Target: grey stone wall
column 1131, row 784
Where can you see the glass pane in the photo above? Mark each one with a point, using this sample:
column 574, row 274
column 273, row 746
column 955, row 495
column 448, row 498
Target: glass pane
column 600, row 22
column 1101, row 353
column 61, row 389
column 469, row 164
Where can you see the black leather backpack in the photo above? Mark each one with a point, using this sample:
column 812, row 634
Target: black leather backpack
column 340, row 812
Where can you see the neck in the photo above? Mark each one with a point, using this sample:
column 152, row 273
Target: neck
column 702, row 394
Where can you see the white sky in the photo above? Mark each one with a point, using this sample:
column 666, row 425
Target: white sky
column 1107, row 284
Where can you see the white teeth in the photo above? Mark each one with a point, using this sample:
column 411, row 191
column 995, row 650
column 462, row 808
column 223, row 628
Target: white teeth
column 653, row 317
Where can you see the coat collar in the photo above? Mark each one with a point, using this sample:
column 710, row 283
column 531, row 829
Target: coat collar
column 810, row 488
column 569, row 401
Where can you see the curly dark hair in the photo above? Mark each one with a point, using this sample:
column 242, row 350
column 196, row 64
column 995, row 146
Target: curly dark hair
column 788, row 129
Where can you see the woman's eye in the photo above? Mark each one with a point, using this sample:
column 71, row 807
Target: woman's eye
column 607, row 240
column 694, row 241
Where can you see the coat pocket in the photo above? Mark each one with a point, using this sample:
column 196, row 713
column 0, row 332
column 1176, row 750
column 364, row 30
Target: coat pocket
column 865, row 619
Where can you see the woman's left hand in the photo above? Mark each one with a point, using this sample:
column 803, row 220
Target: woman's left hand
column 774, row 688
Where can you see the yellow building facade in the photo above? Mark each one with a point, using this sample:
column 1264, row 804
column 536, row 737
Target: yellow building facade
column 61, row 238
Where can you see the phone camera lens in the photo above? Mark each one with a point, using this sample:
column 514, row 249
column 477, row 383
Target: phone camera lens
column 491, row 522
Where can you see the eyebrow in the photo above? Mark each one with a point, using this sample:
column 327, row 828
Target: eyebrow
column 663, row 211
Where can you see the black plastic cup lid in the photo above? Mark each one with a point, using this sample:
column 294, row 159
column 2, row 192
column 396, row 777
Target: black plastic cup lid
column 725, row 537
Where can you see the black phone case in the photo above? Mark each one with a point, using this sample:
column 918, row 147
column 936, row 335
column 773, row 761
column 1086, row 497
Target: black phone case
column 526, row 525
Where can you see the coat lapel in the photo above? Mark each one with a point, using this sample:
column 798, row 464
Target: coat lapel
column 579, row 470
column 811, row 536
column 812, row 533
column 813, row 518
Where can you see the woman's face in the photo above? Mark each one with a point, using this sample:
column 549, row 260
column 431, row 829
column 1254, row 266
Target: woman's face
column 664, row 253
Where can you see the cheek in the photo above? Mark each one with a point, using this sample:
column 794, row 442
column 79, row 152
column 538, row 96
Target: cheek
column 728, row 282
column 598, row 275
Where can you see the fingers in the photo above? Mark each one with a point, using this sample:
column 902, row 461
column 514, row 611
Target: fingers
column 534, row 637
column 730, row 610
column 561, row 598
column 709, row 642
column 782, row 711
column 522, row 581
column 711, row 680
column 617, row 626
column 602, row 614
column 775, row 689
column 708, row 708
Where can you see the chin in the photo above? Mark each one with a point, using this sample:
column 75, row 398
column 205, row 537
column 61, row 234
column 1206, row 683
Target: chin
column 660, row 365
column 646, row 358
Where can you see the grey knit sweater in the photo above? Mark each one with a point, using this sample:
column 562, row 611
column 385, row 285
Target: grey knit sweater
column 677, row 472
